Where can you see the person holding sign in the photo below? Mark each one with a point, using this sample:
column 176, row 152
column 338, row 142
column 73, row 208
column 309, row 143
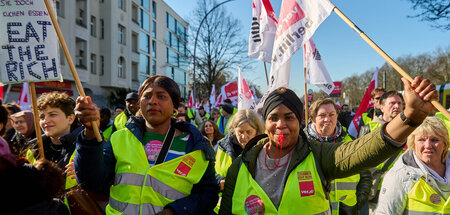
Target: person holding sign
column 155, row 165
column 284, row 173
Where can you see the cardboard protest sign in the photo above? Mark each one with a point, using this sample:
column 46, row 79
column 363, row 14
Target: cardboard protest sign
column 28, row 43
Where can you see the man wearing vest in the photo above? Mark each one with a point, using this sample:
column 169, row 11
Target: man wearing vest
column 225, row 117
column 106, row 124
column 391, row 104
column 368, row 116
column 132, row 106
column 155, row 165
column 284, row 173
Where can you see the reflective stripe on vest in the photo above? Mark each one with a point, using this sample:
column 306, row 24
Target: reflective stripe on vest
column 223, row 162
column 120, row 121
column 303, row 193
column 343, row 189
column 141, row 189
column 422, row 199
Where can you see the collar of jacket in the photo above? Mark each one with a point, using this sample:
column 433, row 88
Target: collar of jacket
column 196, row 141
column 408, row 159
column 254, row 146
column 311, row 134
column 226, row 144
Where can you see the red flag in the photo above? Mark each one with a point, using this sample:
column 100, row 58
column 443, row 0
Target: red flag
column 191, row 101
column 363, row 106
column 219, row 100
column 1, row 92
column 25, row 97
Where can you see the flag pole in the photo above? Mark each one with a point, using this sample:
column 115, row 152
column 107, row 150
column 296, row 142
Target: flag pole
column 70, row 62
column 306, row 97
column 386, row 57
column 267, row 77
column 7, row 93
column 37, row 127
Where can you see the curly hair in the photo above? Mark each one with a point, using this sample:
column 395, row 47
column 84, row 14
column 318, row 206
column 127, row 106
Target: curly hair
column 56, row 100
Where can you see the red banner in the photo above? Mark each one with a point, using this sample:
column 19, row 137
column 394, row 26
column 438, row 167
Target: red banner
column 337, row 87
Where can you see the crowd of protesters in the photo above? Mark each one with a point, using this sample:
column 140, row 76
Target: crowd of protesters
column 159, row 157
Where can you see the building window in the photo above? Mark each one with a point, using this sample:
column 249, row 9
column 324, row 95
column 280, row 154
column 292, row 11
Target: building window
column 93, row 27
column 121, row 67
column 171, row 23
column 154, row 48
column 144, row 61
column 134, row 42
column 154, row 29
column 121, row 4
column 134, row 69
column 145, row 21
column 81, row 48
column 154, row 9
column 60, row 7
column 146, row 4
column 93, row 64
column 144, row 42
column 153, row 67
column 121, row 34
column 102, row 28
column 102, row 65
column 135, row 13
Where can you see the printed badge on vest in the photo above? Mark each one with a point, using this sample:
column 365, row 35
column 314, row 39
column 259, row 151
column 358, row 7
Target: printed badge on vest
column 254, row 205
column 305, row 183
column 185, row 166
column 435, row 198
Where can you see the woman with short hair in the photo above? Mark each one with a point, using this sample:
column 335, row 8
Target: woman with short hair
column 348, row 195
column 419, row 182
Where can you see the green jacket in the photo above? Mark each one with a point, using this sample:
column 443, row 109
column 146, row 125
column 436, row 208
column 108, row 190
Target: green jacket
column 336, row 160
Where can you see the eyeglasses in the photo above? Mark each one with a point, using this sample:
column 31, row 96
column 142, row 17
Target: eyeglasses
column 377, row 98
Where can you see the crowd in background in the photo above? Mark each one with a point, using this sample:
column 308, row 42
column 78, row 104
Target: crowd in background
column 160, row 157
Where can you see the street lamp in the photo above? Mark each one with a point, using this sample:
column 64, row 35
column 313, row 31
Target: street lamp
column 196, row 36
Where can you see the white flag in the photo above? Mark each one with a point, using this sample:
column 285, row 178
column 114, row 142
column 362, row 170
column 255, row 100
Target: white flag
column 245, row 96
column 25, row 98
column 298, row 21
column 316, row 72
column 212, row 96
column 262, row 33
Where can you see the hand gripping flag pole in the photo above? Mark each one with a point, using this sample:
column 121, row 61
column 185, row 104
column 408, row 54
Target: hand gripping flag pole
column 70, row 62
column 386, row 57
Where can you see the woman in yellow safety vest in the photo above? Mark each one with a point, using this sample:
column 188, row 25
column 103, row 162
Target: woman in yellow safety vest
column 153, row 166
column 283, row 173
column 347, row 195
column 419, row 182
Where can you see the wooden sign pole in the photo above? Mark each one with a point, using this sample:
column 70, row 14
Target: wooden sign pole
column 37, row 127
column 70, row 62
column 386, row 57
column 267, row 77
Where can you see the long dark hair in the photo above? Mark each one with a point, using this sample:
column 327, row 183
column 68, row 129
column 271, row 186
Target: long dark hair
column 217, row 134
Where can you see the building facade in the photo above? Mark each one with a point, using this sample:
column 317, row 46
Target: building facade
column 118, row 44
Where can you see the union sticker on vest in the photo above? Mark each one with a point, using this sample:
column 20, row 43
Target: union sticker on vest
column 185, row 166
column 305, row 183
column 435, row 198
column 254, row 205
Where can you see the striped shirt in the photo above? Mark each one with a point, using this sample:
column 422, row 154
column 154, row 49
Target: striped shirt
column 154, row 143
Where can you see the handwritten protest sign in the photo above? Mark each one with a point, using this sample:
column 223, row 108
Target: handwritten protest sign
column 28, row 43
